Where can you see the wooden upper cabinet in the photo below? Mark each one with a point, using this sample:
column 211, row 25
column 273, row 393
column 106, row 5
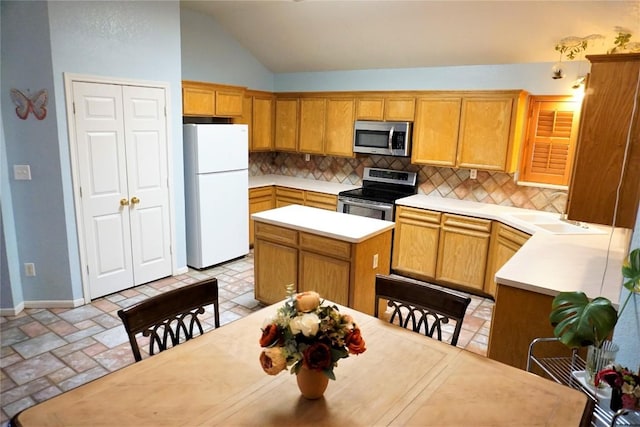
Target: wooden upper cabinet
column 211, row 100
column 339, row 122
column 608, row 149
column 262, row 121
column 286, row 131
column 435, row 134
column 312, row 125
column 401, row 109
column 370, row 108
column 390, row 108
column 198, row 100
column 485, row 125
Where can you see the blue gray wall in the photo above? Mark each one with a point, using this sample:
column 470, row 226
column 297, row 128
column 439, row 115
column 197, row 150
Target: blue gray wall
column 132, row 40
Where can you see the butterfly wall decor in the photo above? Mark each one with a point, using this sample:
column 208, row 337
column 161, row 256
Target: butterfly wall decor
column 36, row 104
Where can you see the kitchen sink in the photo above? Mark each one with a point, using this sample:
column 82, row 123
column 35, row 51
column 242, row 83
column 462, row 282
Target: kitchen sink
column 538, row 218
column 566, row 228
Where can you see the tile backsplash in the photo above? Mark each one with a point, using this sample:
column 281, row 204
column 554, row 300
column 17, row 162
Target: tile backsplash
column 489, row 187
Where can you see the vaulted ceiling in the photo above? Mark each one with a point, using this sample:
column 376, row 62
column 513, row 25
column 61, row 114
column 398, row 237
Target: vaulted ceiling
column 324, row 35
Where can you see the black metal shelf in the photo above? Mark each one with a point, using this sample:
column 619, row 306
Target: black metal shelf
column 561, row 369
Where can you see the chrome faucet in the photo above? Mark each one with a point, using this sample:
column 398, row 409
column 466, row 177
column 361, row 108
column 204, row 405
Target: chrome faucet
column 563, row 214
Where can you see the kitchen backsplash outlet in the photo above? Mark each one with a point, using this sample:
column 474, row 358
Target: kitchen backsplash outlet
column 488, row 187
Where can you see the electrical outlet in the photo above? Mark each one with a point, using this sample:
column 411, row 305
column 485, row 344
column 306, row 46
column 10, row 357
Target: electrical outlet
column 307, row 157
column 21, row 172
column 29, row 269
column 375, row 261
column 473, row 173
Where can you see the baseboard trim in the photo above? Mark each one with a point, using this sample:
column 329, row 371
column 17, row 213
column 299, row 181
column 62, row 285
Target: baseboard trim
column 41, row 304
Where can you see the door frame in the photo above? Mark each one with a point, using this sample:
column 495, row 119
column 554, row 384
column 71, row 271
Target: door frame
column 69, row 79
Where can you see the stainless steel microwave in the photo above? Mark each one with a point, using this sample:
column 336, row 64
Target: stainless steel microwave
column 383, row 138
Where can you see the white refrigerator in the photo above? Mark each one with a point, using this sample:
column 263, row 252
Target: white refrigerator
column 216, row 159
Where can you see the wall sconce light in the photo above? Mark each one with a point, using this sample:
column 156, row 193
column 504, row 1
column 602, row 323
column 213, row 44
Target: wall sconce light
column 578, row 82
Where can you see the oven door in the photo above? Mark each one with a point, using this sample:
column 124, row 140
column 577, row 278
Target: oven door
column 368, row 208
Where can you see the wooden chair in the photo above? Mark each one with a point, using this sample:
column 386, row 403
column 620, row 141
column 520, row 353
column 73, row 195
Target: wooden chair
column 419, row 306
column 170, row 317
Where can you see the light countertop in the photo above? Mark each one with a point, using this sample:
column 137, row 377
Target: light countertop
column 336, row 225
column 300, row 184
column 548, row 263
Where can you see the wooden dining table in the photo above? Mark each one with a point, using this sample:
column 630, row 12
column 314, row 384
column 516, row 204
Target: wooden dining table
column 403, row 378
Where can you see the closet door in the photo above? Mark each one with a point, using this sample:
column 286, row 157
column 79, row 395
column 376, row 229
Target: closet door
column 121, row 146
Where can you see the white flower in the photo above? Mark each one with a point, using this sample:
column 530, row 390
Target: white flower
column 636, row 391
column 307, row 323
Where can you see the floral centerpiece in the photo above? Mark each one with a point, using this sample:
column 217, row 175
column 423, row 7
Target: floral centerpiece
column 625, row 386
column 304, row 333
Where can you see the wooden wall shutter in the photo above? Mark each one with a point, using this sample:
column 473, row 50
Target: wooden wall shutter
column 551, row 138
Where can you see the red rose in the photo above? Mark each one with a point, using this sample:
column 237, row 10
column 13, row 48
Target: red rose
column 354, row 342
column 270, row 335
column 317, row 356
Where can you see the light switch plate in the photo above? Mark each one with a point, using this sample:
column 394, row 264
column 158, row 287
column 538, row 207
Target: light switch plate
column 21, row 172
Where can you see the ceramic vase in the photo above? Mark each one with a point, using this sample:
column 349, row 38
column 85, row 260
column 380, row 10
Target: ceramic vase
column 311, row 383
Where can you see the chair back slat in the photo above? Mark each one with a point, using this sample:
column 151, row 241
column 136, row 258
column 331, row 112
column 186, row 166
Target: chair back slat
column 426, row 308
column 170, row 318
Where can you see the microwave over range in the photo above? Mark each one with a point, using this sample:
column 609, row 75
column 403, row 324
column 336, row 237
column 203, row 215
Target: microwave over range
column 383, row 138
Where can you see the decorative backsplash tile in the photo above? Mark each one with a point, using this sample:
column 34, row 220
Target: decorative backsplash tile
column 489, row 187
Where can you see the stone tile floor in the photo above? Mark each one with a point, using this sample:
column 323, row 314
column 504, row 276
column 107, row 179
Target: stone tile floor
column 46, row 352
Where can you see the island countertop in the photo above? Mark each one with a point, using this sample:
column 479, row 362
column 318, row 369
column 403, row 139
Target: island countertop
column 548, row 263
column 337, row 225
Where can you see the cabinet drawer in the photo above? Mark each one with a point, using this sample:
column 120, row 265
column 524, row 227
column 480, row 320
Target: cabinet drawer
column 321, row 200
column 325, row 245
column 257, row 193
column 465, row 222
column 513, row 235
column 413, row 215
column 274, row 233
column 290, row 193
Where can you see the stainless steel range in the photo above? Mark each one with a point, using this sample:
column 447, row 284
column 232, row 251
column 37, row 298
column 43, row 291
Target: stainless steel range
column 380, row 189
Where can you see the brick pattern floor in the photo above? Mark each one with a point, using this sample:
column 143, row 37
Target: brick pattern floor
column 46, row 352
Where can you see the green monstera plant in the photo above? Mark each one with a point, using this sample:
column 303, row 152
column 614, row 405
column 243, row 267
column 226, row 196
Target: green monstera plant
column 579, row 322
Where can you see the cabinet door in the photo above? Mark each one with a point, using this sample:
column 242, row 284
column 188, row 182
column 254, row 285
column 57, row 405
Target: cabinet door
column 198, row 101
column 370, row 108
column 262, row 133
column 260, row 199
column 312, row 125
column 435, row 135
column 339, row 127
column 600, row 162
column 276, row 267
column 463, row 250
column 400, row 109
column 326, row 275
column 485, row 131
column 286, row 125
column 229, row 103
column 415, row 242
column 505, row 242
column 246, row 117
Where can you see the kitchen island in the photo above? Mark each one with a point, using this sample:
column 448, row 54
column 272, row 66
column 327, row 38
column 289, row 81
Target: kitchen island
column 335, row 254
column 585, row 258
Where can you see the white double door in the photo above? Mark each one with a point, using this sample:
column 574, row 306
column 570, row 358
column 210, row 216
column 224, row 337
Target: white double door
column 121, row 140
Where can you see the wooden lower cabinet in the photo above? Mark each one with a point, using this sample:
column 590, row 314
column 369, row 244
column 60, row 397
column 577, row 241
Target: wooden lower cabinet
column 415, row 242
column 289, row 196
column 260, row 199
column 505, row 242
column 463, row 250
column 321, row 200
column 340, row 271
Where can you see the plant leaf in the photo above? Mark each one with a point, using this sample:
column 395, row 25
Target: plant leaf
column 579, row 322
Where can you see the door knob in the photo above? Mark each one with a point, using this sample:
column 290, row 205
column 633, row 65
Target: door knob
column 124, row 202
column 135, row 200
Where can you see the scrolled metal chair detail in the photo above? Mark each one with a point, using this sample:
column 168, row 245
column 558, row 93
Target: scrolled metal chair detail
column 170, row 318
column 420, row 307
